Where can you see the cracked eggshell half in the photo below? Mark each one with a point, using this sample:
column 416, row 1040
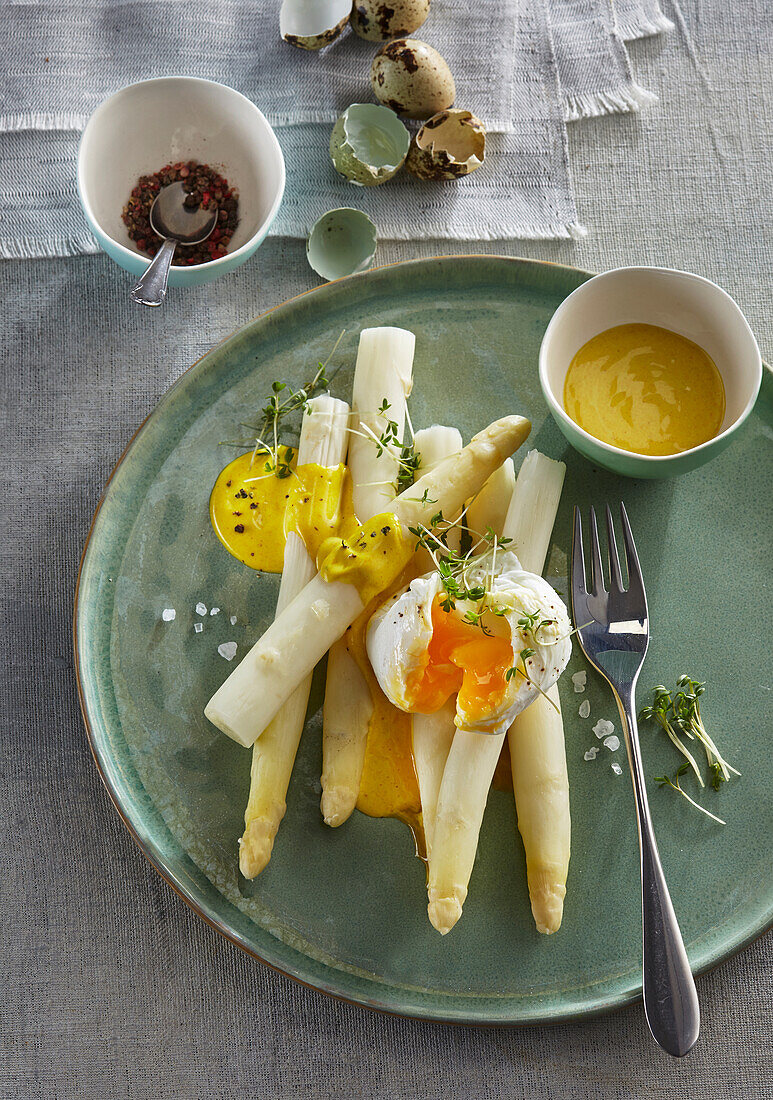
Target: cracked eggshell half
column 313, row 24
column 449, row 145
column 342, row 242
column 368, row 144
column 412, row 78
column 377, row 21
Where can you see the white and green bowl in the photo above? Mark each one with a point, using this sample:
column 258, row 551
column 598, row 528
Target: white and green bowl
column 154, row 122
column 677, row 300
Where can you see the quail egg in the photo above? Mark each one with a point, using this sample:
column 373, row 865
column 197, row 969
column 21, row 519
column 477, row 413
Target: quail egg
column 341, row 242
column 412, row 78
column 449, row 145
column 313, row 24
column 368, row 144
column 378, row 21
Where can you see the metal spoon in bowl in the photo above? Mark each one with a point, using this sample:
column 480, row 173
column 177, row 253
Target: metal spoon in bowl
column 175, row 223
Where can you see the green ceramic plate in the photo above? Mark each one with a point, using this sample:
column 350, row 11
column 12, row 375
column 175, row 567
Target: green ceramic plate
column 345, row 910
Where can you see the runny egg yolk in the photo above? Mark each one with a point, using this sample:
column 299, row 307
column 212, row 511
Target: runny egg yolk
column 461, row 658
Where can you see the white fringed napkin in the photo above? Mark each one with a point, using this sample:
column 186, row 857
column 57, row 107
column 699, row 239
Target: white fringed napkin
column 524, row 66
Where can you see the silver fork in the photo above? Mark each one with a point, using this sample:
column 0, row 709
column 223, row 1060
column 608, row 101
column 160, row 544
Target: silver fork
column 613, row 630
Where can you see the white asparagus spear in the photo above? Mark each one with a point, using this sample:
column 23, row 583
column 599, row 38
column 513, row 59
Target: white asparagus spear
column 532, row 512
column 489, row 508
column 462, row 799
column 433, row 733
column 471, row 759
column 345, row 719
column 323, row 440
column 536, row 737
column 383, row 374
column 541, row 788
column 432, row 446
column 299, row 637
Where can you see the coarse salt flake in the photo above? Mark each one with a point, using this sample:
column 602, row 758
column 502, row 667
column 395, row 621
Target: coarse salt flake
column 612, row 742
column 201, row 608
column 584, row 710
column 592, row 753
column 232, row 620
column 227, row 650
column 603, row 728
column 617, row 769
column 168, row 614
column 198, row 627
column 214, row 610
column 578, row 680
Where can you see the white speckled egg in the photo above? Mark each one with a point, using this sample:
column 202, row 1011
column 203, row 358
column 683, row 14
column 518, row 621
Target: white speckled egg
column 412, row 78
column 449, row 145
column 378, row 21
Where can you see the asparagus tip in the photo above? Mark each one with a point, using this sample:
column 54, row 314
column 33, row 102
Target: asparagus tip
column 255, row 848
column 337, row 804
column 547, row 902
column 444, row 913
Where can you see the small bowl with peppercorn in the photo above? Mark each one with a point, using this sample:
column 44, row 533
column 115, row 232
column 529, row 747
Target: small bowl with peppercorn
column 180, row 129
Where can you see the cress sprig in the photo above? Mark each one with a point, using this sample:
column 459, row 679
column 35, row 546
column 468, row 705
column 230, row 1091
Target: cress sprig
column 279, row 419
column 679, row 713
column 674, row 784
column 404, row 450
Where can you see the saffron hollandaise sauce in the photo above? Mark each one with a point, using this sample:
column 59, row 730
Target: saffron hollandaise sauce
column 645, row 389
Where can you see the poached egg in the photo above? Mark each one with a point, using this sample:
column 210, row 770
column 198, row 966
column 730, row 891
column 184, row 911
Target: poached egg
column 423, row 651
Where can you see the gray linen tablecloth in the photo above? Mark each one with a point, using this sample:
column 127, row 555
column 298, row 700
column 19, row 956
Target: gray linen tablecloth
column 110, row 987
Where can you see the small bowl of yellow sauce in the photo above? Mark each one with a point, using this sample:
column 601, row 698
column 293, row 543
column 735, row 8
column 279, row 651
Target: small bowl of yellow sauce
column 649, row 371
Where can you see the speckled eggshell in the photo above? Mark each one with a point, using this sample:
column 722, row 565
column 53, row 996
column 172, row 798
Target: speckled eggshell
column 313, row 24
column 377, row 21
column 314, row 42
column 347, row 164
column 449, row 145
column 412, row 78
column 352, row 162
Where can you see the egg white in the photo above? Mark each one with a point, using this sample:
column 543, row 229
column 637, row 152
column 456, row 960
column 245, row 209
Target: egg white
column 399, row 634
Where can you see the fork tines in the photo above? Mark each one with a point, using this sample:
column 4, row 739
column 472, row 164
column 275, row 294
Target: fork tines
column 579, row 580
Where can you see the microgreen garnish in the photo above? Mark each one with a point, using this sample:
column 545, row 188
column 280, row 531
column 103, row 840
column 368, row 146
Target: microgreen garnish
column 674, row 784
column 453, row 568
column 661, row 711
column 688, row 717
column 408, row 463
column 280, row 421
column 425, row 498
column 679, row 713
column 407, row 457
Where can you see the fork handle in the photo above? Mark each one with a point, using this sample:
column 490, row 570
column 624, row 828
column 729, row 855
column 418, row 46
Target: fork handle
column 670, row 997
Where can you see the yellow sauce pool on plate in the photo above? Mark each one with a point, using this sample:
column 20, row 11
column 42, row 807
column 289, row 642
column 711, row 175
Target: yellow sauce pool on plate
column 252, row 510
column 645, row 389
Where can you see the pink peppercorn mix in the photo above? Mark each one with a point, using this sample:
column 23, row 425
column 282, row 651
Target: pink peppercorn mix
column 204, row 186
